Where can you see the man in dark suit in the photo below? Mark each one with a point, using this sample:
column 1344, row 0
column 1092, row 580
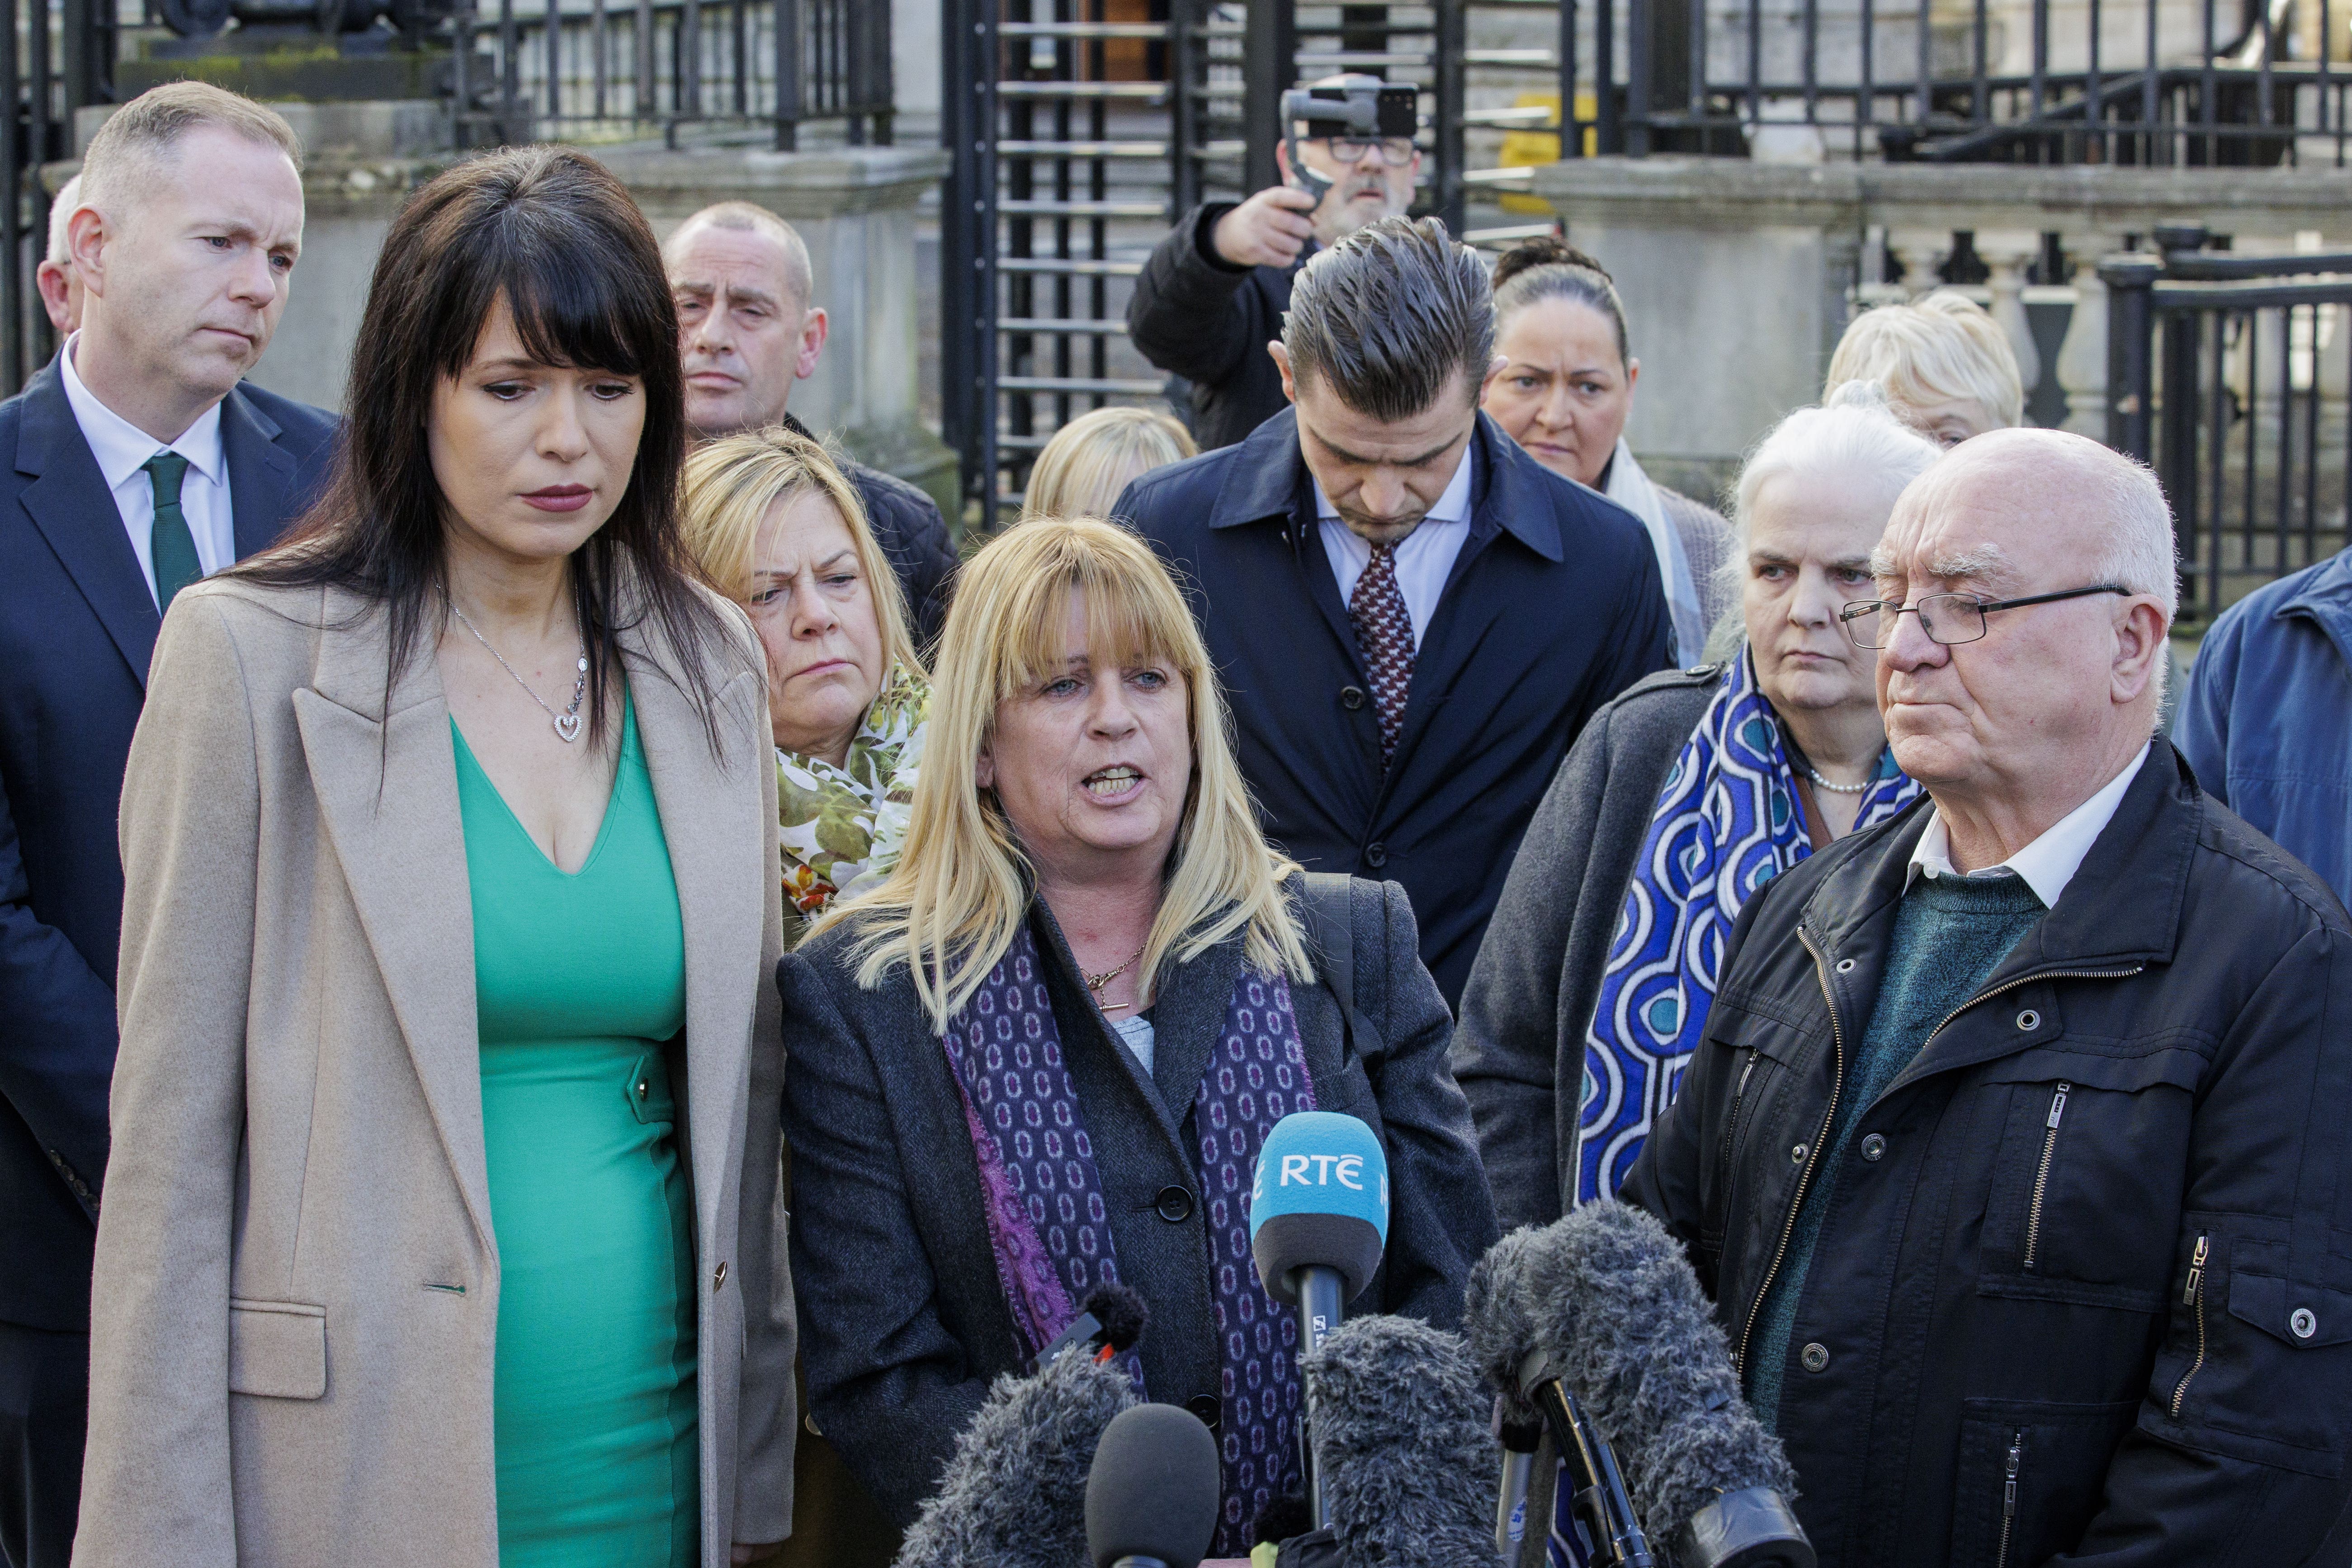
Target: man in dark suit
column 748, row 331
column 139, row 462
column 1412, row 617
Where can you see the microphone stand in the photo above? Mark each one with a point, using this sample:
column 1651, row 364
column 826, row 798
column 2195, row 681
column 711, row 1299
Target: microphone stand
column 1600, row 1496
column 1320, row 1304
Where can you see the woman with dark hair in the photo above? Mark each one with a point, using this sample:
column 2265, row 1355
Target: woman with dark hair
column 1564, row 394
column 450, row 833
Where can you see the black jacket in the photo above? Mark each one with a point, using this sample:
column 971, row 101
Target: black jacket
column 1537, row 976
column 907, row 526
column 903, row 1323
column 2150, row 1096
column 1553, row 607
column 78, row 623
column 1195, row 316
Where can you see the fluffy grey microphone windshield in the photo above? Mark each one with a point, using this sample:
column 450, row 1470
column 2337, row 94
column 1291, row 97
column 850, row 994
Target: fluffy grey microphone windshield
column 1402, row 1443
column 1631, row 1335
column 1014, row 1493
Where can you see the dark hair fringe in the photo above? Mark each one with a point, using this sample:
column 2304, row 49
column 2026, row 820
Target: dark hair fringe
column 551, row 231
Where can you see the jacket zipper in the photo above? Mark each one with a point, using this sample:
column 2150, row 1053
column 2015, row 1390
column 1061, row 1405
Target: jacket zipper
column 1805, row 1176
column 2009, row 1497
column 1731, row 1128
column 2194, row 1295
column 1837, row 1086
column 2042, row 1175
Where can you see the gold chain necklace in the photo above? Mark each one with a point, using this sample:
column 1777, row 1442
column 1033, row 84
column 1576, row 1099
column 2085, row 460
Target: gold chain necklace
column 1095, row 982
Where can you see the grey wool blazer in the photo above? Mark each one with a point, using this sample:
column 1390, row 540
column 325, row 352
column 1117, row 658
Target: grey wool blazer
column 1518, row 1051
column 903, row 1322
column 295, row 1313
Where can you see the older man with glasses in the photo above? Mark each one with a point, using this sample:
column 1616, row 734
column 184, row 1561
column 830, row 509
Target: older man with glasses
column 2014, row 1159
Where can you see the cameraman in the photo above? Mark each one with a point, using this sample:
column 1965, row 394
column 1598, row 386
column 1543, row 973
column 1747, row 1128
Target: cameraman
column 1212, row 295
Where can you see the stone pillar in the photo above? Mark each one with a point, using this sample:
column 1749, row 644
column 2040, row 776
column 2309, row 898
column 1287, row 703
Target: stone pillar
column 1919, row 251
column 2007, row 254
column 2082, row 365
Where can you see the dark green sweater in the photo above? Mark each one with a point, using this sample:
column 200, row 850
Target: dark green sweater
column 1951, row 934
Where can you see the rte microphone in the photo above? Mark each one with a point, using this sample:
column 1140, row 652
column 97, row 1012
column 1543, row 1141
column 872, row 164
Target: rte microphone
column 1604, row 1302
column 1318, row 1222
column 1152, row 1495
column 1013, row 1493
column 1401, row 1441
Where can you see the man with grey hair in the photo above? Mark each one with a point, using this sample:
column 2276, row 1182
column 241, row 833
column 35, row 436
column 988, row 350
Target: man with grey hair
column 1212, row 294
column 141, row 461
column 60, row 284
column 2013, row 1157
column 747, row 332
column 1412, row 616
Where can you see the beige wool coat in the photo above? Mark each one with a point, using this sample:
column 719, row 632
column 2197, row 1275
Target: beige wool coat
column 296, row 1303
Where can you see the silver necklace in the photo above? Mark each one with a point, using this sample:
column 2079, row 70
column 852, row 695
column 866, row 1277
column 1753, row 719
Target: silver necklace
column 567, row 723
column 1814, row 774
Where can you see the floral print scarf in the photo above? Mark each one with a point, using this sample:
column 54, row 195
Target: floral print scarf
column 841, row 828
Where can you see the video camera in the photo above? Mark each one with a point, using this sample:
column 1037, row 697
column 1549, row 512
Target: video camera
column 1362, row 108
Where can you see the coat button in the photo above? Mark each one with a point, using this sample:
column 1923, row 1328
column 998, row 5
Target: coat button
column 2029, row 1020
column 1873, row 1148
column 1207, row 1407
column 1797, row 1155
column 719, row 1276
column 1174, row 1205
column 1351, row 697
column 1816, row 1356
column 2303, row 1324
column 1376, row 855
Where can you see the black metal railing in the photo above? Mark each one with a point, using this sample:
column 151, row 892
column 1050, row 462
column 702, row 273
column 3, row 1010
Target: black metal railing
column 2230, row 374
column 596, row 70
column 56, row 56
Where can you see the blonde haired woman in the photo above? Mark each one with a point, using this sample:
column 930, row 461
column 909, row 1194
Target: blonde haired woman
column 774, row 524
column 1083, row 855
column 1945, row 366
column 1094, row 457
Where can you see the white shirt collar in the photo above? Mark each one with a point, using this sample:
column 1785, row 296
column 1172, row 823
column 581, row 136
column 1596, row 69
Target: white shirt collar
column 121, row 447
column 1453, row 506
column 2050, row 862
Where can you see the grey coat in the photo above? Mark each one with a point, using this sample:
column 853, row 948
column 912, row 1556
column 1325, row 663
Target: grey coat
column 903, row 1320
column 1519, row 1052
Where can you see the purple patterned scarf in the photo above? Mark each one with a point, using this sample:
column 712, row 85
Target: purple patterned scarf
column 1049, row 1223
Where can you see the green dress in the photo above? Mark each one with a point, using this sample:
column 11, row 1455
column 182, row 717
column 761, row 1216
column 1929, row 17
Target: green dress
column 579, row 978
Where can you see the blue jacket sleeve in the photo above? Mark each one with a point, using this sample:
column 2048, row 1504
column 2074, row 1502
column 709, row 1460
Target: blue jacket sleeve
column 2200, row 726
column 56, row 1054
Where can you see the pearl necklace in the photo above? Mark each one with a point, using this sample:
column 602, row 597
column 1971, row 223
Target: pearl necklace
column 1814, row 774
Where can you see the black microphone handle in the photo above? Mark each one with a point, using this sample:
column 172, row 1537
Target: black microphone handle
column 1320, row 1299
column 1600, row 1492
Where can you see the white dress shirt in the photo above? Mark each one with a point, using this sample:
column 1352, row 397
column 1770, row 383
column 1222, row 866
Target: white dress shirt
column 122, row 449
column 2050, row 862
column 1423, row 561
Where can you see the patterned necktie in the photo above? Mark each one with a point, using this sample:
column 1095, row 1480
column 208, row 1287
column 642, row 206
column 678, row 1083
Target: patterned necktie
column 170, row 545
column 1384, row 633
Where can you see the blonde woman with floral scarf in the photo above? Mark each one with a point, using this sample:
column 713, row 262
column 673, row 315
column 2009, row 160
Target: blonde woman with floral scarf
column 773, row 521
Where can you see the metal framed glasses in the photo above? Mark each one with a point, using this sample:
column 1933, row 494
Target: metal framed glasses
column 1946, row 618
column 1396, row 152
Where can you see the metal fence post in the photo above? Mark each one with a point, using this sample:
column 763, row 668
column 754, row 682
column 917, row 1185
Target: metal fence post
column 968, row 64
column 1450, row 99
column 2131, row 326
column 1269, row 67
column 789, row 87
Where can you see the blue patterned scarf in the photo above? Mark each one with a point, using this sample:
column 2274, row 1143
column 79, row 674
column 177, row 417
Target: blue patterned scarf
column 1727, row 822
column 1048, row 1221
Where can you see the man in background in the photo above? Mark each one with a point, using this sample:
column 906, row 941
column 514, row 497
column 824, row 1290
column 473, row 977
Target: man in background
column 748, row 331
column 1412, row 618
column 139, row 462
column 59, row 285
column 1212, row 295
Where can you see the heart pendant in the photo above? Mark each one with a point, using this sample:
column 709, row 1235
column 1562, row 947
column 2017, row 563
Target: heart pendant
column 568, row 726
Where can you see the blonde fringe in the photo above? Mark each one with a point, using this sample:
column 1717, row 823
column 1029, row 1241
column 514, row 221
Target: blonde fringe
column 962, row 886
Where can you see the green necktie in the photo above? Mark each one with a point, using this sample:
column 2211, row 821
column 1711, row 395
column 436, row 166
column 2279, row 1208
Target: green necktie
column 171, row 546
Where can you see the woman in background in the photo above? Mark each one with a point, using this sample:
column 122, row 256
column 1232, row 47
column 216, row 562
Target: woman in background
column 1090, row 461
column 1945, row 366
column 774, row 524
column 1678, row 801
column 445, row 836
column 1564, row 392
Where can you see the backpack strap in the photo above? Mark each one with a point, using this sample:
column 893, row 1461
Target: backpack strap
column 1331, row 921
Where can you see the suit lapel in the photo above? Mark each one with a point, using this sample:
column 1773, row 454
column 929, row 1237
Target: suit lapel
column 707, row 819
column 1188, row 1018
column 387, row 789
column 69, row 504
column 260, row 473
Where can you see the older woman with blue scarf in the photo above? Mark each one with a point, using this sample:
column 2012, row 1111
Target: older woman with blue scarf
column 1680, row 799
